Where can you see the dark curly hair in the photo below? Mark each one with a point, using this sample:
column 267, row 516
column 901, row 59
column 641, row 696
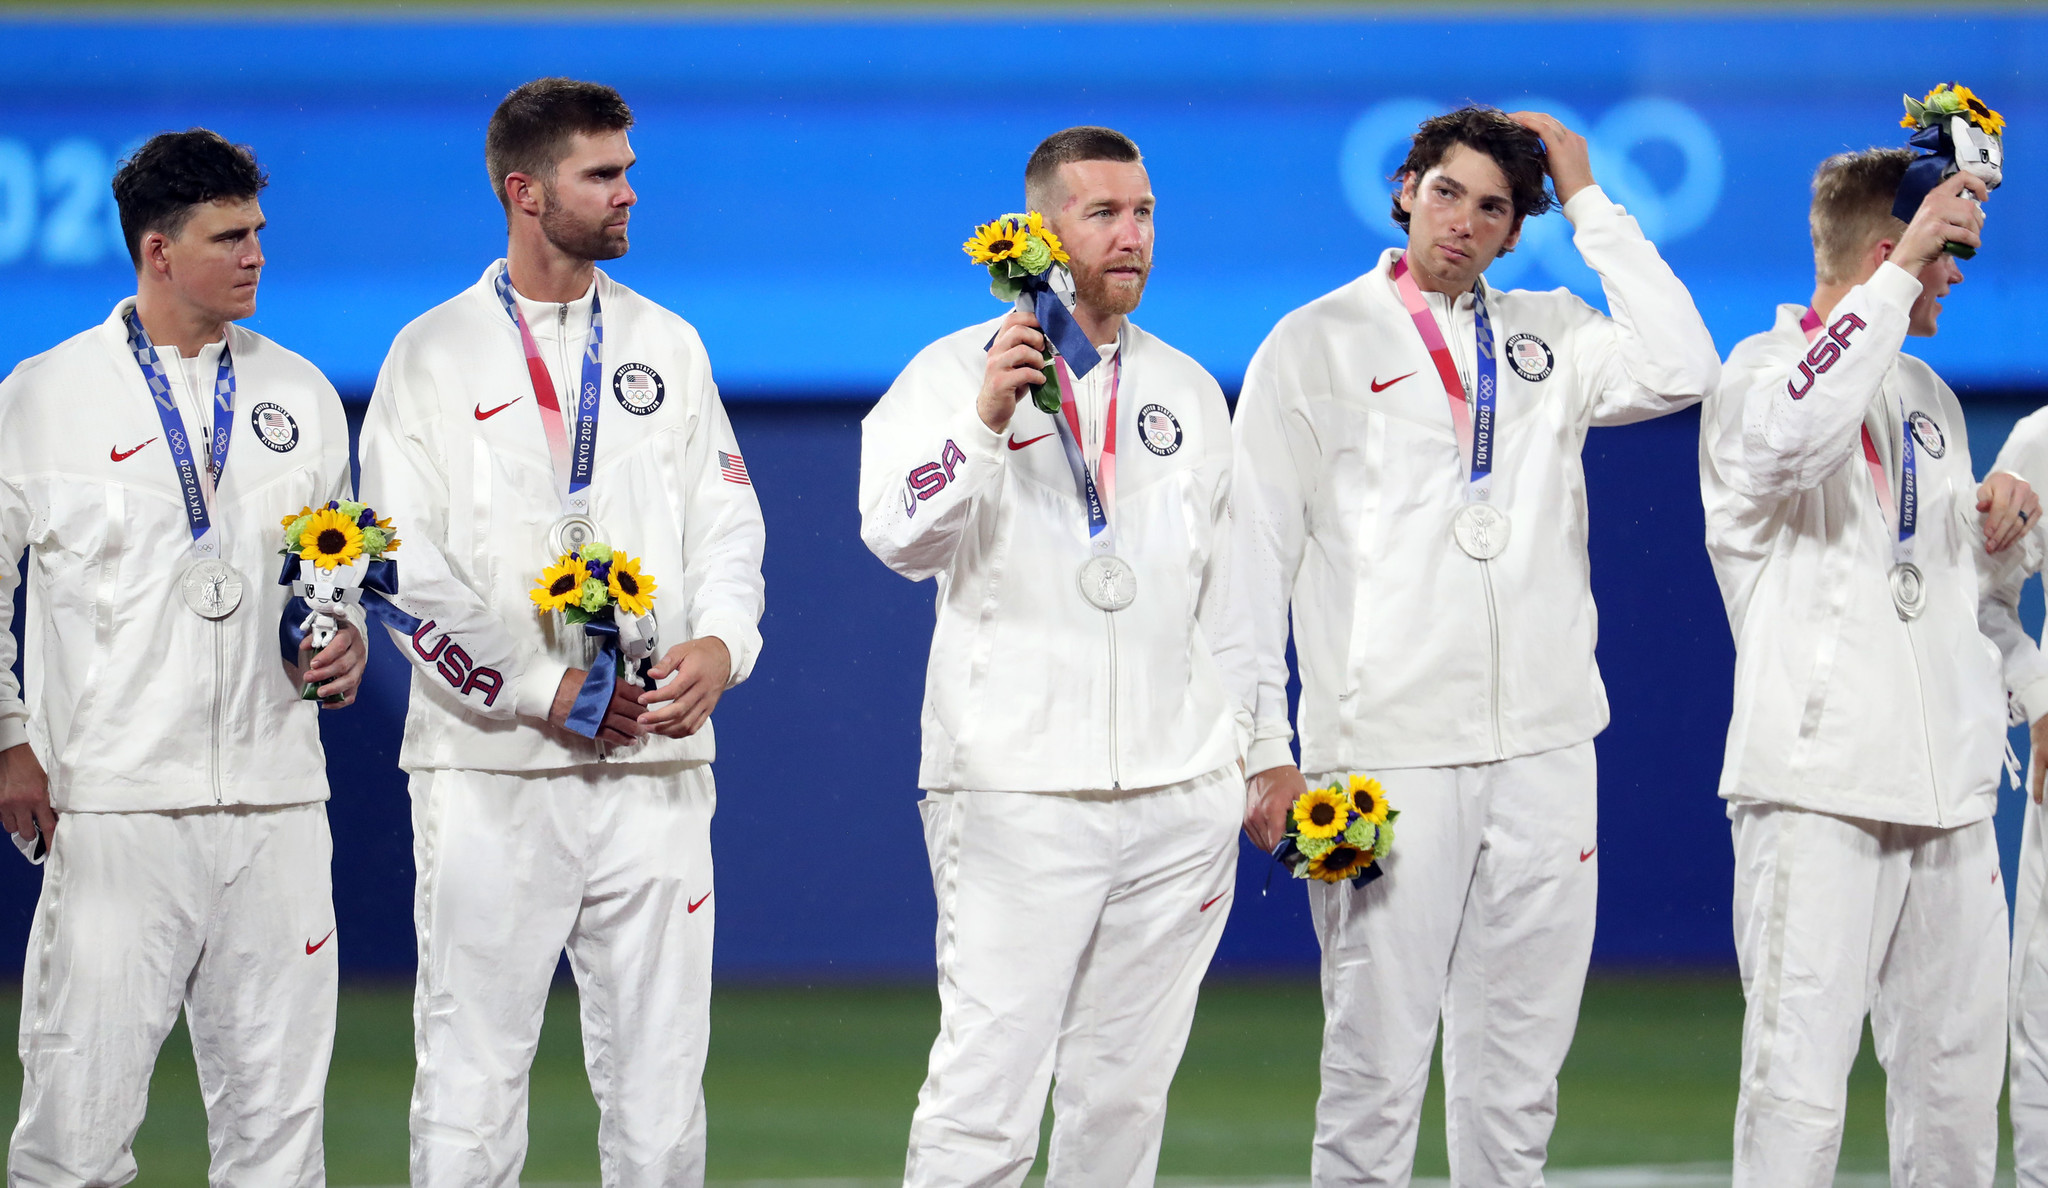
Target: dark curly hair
column 158, row 187
column 1518, row 152
column 534, row 126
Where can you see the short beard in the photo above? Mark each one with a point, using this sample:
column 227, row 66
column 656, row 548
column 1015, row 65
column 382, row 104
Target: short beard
column 575, row 239
column 1093, row 288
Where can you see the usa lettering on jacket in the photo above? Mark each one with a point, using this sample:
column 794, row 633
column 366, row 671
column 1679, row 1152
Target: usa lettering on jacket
column 1826, row 352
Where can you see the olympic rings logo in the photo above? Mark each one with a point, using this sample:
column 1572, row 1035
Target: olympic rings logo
column 1377, row 143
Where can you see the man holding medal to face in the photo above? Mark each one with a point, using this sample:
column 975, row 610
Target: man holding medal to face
column 1081, row 754
column 1853, row 546
column 143, row 465
column 544, row 409
column 1409, row 485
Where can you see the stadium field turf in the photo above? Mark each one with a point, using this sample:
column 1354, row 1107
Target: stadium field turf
column 818, row 1082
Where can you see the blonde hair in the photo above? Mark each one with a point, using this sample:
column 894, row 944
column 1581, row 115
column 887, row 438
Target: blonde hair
column 1852, row 209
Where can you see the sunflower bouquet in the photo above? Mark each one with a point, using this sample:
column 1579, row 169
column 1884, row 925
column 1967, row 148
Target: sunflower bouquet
column 603, row 591
column 1959, row 133
column 328, row 550
column 1027, row 266
column 1339, row 832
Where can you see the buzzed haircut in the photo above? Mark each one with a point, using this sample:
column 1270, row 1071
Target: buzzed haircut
column 1852, row 208
column 534, row 126
column 173, row 174
column 1084, row 143
column 1517, row 150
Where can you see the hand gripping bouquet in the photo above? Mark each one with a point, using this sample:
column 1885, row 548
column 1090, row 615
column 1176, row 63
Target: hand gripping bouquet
column 1957, row 133
column 1027, row 266
column 603, row 591
column 1340, row 832
column 330, row 552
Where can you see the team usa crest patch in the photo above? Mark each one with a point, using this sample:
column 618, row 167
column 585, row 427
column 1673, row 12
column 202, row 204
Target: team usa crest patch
column 1927, row 434
column 274, row 427
column 1159, row 429
column 1530, row 357
column 639, row 388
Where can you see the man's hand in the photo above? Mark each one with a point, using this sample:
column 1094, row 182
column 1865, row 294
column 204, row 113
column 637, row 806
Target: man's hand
column 2037, row 757
column 2010, row 508
column 620, row 725
column 338, row 669
column 25, row 795
column 1016, row 362
column 701, row 668
column 1265, row 811
column 1946, row 215
column 1569, row 160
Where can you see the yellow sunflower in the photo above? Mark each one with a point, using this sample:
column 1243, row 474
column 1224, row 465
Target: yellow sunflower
column 993, row 242
column 560, row 586
column 1341, row 861
column 1981, row 113
column 1321, row 812
column 631, row 589
column 330, row 539
column 1368, row 798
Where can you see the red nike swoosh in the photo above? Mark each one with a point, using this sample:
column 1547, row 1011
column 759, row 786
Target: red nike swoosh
column 1018, row 445
column 481, row 415
column 699, row 903
column 124, row 455
column 1585, row 854
column 1212, row 903
column 1377, row 386
column 312, row 948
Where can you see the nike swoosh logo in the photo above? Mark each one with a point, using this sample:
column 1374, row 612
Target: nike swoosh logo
column 481, row 415
column 124, row 455
column 313, row 947
column 1585, row 854
column 1018, row 445
column 699, row 903
column 1377, row 386
column 1212, row 903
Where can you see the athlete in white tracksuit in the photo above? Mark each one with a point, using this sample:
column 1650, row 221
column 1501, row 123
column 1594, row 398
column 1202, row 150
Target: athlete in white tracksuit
column 1865, row 745
column 1466, row 686
column 190, row 865
column 1081, row 765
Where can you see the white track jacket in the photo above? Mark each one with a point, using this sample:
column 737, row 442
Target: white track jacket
column 454, row 445
column 1840, row 706
column 2025, row 454
column 1029, row 688
column 1349, row 471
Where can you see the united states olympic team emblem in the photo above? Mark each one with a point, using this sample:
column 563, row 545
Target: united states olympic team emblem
column 1530, row 357
column 1159, row 430
column 638, row 387
column 1927, row 433
column 274, row 427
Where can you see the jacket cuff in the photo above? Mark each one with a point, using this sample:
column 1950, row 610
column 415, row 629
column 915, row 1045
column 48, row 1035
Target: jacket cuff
column 741, row 639
column 1269, row 753
column 14, row 731
column 1894, row 286
column 1591, row 202
column 534, row 696
column 2034, row 698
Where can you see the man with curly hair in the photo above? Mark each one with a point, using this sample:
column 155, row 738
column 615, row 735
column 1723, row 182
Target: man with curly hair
column 1434, row 561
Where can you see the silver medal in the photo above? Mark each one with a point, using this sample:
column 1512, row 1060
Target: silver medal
column 1481, row 529
column 1909, row 590
column 211, row 588
column 1108, row 583
column 570, row 533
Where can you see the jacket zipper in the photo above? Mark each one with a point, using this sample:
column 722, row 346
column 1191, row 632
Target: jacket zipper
column 1926, row 739
column 219, row 680
column 1493, row 658
column 1115, row 771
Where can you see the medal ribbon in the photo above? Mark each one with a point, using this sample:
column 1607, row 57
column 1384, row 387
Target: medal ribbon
column 576, row 465
column 1907, row 515
column 194, row 484
column 1475, row 426
column 1100, row 500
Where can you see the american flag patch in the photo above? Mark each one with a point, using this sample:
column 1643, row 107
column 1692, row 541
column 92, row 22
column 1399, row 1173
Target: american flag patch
column 734, row 468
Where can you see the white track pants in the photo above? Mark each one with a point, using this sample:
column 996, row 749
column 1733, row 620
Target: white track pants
column 2029, row 991
column 1485, row 915
column 228, row 912
column 1836, row 917
column 614, row 864
column 1074, row 930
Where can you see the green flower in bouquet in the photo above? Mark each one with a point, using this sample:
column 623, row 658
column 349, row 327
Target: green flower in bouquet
column 595, row 596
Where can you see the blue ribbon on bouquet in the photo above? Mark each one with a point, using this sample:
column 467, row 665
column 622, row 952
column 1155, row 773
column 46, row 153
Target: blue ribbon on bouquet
column 1059, row 325
column 588, row 713
column 1924, row 173
column 379, row 586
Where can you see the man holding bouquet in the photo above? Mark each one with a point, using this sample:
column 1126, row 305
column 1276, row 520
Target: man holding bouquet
column 1435, row 565
column 1081, row 757
column 559, row 437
